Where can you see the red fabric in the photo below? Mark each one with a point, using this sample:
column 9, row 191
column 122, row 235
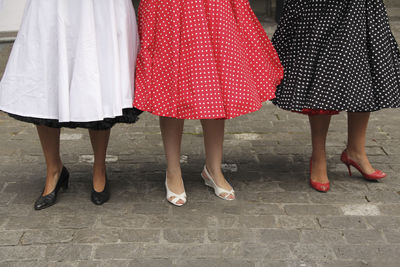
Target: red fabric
column 312, row 112
column 203, row 59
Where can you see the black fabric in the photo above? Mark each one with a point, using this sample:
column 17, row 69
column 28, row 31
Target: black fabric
column 338, row 56
column 130, row 115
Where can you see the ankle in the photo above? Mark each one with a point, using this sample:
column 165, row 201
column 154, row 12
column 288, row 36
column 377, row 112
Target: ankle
column 99, row 171
column 318, row 160
column 54, row 171
column 174, row 173
column 318, row 164
column 214, row 170
column 99, row 167
column 356, row 153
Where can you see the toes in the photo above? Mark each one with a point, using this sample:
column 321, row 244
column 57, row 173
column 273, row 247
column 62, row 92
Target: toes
column 223, row 195
column 179, row 202
column 227, row 196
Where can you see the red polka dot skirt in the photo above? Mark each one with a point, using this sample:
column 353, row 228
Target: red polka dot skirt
column 203, row 59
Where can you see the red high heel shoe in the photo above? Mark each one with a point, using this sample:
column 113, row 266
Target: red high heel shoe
column 378, row 174
column 320, row 187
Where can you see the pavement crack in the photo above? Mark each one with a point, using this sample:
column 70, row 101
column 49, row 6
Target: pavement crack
column 20, row 239
column 319, row 223
column 366, row 197
column 282, row 206
column 384, row 151
column 4, row 187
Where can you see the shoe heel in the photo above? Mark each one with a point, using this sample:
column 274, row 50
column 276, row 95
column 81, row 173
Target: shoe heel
column 348, row 167
column 207, row 182
column 65, row 184
column 345, row 159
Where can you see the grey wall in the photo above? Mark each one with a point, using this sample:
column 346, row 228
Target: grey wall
column 392, row 3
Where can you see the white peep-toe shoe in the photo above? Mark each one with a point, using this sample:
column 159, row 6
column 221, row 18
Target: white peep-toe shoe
column 209, row 181
column 176, row 198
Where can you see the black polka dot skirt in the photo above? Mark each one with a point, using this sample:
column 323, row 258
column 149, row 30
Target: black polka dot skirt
column 338, row 56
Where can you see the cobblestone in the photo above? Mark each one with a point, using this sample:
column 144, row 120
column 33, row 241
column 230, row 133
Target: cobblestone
column 10, row 238
column 341, row 222
column 68, row 252
column 310, row 209
column 392, row 236
column 363, row 236
column 46, row 236
column 322, row 237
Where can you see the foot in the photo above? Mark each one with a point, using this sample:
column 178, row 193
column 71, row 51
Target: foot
column 99, row 198
column 52, row 179
column 175, row 184
column 362, row 160
column 220, row 181
column 319, row 172
column 99, row 179
column 45, row 201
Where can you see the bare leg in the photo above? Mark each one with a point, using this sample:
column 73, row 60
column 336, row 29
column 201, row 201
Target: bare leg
column 50, row 141
column 213, row 141
column 99, row 140
column 171, row 130
column 319, row 131
column 357, row 130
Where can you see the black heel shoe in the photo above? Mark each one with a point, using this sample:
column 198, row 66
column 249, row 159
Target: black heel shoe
column 99, row 198
column 49, row 200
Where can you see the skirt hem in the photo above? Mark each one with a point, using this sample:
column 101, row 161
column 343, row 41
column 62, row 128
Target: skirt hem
column 130, row 115
column 156, row 113
column 309, row 111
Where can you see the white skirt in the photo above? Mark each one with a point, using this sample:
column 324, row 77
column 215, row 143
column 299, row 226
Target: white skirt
column 73, row 61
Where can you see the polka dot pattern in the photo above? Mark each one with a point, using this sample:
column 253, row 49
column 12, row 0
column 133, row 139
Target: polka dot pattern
column 203, row 59
column 338, row 56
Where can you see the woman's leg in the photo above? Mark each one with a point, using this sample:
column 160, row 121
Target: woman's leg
column 214, row 131
column 50, row 141
column 357, row 130
column 319, row 131
column 171, row 130
column 99, row 140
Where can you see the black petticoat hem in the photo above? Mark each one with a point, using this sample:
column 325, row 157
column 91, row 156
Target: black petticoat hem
column 129, row 115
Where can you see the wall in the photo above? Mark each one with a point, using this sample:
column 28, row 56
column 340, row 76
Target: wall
column 11, row 12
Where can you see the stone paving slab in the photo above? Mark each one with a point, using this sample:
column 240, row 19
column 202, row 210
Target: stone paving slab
column 277, row 220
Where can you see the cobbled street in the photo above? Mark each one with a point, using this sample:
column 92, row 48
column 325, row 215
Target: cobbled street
column 277, row 219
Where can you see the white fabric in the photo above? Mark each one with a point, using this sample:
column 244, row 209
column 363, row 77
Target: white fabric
column 73, row 60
